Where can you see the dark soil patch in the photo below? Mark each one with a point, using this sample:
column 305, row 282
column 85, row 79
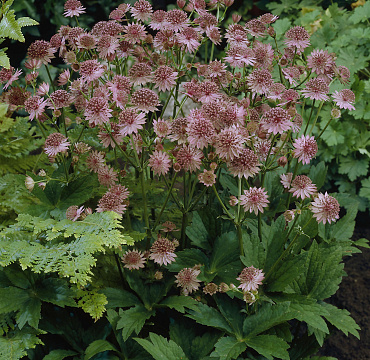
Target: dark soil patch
column 353, row 295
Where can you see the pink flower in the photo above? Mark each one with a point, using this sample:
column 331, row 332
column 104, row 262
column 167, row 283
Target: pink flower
column 130, row 121
column 107, row 176
column 260, row 81
column 95, row 161
column 302, row 187
column 276, row 121
column 236, row 34
column 97, row 111
column 74, row 212
column 250, row 278
column 246, row 164
column 145, row 100
column 161, row 127
column 207, row 177
column 160, row 162
column 297, row 37
column 35, row 106
column 189, row 39
column 141, row 10
column 276, row 91
column 56, row 143
column 73, row 8
column 239, row 55
column 305, row 148
column 91, row 70
column 254, row 199
column 200, row 130
column 158, row 20
column 189, row 158
column 86, row 41
column 163, row 251
column 292, row 74
column 40, row 50
column 133, row 260
column 60, row 99
column 178, row 130
column 264, row 54
column 107, row 46
column 229, row 143
column 208, row 91
column 63, row 78
column 164, row 78
column 8, row 76
column 325, row 208
column 111, row 202
column 256, row 28
column 112, row 137
column 316, row 89
column 320, row 61
column 344, row 99
column 140, row 73
column 176, row 20
column 286, row 180
column 187, row 280
column 134, row 33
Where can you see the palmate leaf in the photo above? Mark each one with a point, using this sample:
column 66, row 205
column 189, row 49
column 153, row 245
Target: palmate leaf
column 133, row 320
column 97, row 347
column 179, row 303
column 161, row 348
column 59, row 354
column 269, row 346
column 353, row 168
column 228, row 348
column 14, row 346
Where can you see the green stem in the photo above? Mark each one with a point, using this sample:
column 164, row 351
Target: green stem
column 322, row 131
column 309, row 119
column 119, row 270
column 240, row 238
column 222, row 204
column 317, row 116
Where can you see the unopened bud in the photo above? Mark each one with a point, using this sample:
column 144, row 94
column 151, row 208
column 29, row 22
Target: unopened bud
column 181, row 3
column 176, row 167
column 211, row 156
column 189, row 8
column 236, row 18
column 233, row 200
column 42, row 173
column 57, row 113
column 271, row 31
column 88, row 211
column 67, row 121
column 223, row 287
column 213, row 166
column 29, row 183
column 335, row 113
column 282, row 161
column 262, row 135
column 228, row 3
column 158, row 275
column 289, row 215
column 283, row 61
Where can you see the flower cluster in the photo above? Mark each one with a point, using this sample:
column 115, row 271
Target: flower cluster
column 144, row 109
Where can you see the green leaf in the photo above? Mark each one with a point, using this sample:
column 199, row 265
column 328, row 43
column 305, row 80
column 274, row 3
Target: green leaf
column 93, row 303
column 266, row 317
column 361, row 13
column 228, row 348
column 59, row 354
column 161, row 348
column 10, row 28
column 209, row 316
column 119, row 298
column 353, row 168
column 97, row 347
column 188, row 258
column 4, row 60
column 231, row 313
column 28, row 308
column 341, row 319
column 198, row 233
column 254, row 251
column 57, row 292
column 269, row 346
column 133, row 319
column 179, row 303
column 318, row 174
column 26, row 21
column 365, row 188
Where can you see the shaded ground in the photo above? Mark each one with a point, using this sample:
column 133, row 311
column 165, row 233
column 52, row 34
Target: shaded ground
column 353, row 295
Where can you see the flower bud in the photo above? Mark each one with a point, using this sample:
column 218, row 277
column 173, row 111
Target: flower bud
column 282, row 161
column 335, row 113
column 29, row 183
column 228, row 3
column 236, row 18
column 181, row 3
column 271, row 31
column 289, row 215
column 42, row 173
column 233, row 200
column 176, row 167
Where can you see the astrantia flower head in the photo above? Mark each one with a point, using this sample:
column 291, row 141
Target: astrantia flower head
column 276, row 121
column 325, row 208
column 207, row 177
column 344, row 99
column 56, row 143
column 97, row 111
column 176, row 20
column 111, row 202
column 35, row 106
column 189, row 158
column 297, row 37
column 316, row 89
column 73, row 8
column 256, row 28
column 107, row 176
column 158, row 20
column 189, row 39
column 145, row 100
column 254, row 199
column 302, row 187
column 286, row 180
column 130, row 121
column 60, row 99
column 162, row 251
column 260, row 81
column 74, row 212
column 250, row 278
column 95, row 161
column 160, row 162
column 91, row 70
column 178, row 130
column 6, row 75
column 140, row 73
column 200, row 130
column 161, row 127
column 210, row 288
column 134, row 33
column 40, row 50
column 320, row 61
column 141, row 10
column 236, row 34
column 165, row 78
column 133, row 260
column 187, row 280
column 245, row 164
column 305, row 148
column 239, row 55
column 229, row 143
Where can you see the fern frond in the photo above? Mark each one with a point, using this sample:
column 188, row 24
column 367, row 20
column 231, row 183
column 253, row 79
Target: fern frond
column 10, row 28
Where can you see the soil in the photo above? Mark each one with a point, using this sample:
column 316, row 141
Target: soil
column 353, row 295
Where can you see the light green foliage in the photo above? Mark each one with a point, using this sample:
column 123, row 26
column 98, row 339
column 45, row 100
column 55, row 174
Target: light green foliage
column 11, row 27
column 64, row 247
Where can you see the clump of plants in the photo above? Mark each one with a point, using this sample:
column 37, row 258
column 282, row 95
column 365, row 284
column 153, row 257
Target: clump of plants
column 179, row 215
